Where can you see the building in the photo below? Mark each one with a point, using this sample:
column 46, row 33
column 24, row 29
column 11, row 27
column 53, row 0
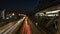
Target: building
column 2, row 14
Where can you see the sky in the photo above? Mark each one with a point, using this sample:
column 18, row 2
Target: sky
column 19, row 4
column 26, row 5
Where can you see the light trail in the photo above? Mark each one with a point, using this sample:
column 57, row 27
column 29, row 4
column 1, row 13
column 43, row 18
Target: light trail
column 26, row 27
column 6, row 27
column 10, row 30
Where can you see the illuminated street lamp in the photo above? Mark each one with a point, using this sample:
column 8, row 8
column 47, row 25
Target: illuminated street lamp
column 13, row 14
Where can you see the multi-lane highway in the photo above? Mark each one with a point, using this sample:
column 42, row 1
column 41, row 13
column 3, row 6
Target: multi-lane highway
column 6, row 27
column 23, row 26
column 11, row 27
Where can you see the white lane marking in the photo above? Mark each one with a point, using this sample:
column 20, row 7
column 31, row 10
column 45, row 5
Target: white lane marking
column 6, row 28
column 14, row 26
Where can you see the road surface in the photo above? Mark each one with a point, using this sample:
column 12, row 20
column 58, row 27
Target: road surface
column 18, row 28
column 34, row 29
column 29, row 28
column 6, row 27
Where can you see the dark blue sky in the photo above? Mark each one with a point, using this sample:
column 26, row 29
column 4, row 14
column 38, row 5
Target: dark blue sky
column 26, row 5
column 19, row 4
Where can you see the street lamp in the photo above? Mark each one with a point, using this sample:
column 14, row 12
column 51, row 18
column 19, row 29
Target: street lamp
column 13, row 14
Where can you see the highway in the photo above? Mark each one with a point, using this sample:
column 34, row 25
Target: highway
column 11, row 27
column 23, row 26
column 34, row 28
column 6, row 27
column 29, row 28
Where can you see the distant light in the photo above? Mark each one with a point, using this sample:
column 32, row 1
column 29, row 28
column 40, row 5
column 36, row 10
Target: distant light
column 56, row 11
column 7, row 18
column 13, row 14
column 40, row 13
column 21, row 15
column 53, row 15
column 50, row 15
